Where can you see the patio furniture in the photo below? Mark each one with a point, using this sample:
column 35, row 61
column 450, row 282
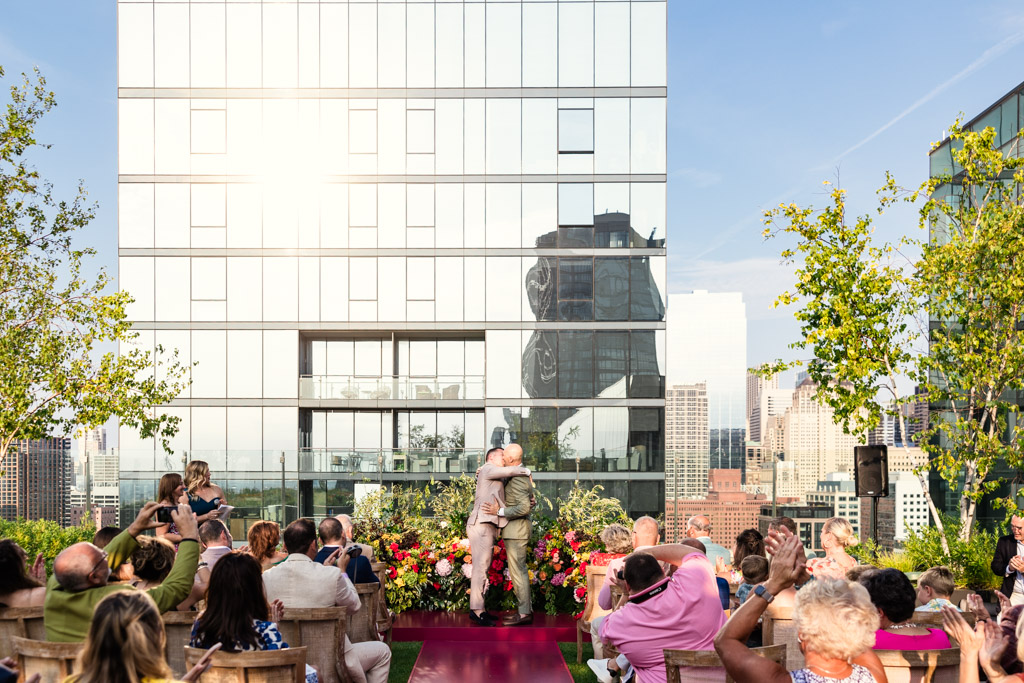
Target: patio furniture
column 52, row 661
column 271, row 666
column 921, row 666
column 23, row 622
column 705, row 665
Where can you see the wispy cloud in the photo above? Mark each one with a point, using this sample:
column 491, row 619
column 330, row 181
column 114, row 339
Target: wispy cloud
column 697, row 177
column 760, row 280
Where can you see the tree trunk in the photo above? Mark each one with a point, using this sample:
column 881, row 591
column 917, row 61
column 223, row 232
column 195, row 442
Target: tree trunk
column 922, row 476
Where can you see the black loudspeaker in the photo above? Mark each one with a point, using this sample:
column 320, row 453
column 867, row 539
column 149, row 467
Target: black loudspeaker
column 871, row 471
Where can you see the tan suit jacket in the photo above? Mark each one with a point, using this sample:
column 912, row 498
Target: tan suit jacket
column 490, row 487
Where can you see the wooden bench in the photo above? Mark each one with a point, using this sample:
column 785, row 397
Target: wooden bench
column 321, row 630
column 52, row 661
column 778, row 629
column 272, row 666
column 21, row 622
column 710, row 665
column 178, row 627
column 921, row 666
column 591, row 610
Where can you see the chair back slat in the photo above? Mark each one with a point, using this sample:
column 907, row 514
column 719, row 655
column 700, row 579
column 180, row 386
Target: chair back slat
column 52, row 661
column 595, row 579
column 321, row 630
column 272, row 666
column 384, row 621
column 21, row 622
column 705, row 665
column 362, row 625
column 777, row 628
column 921, row 666
column 178, row 627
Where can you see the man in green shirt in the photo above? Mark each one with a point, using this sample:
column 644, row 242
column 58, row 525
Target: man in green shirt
column 80, row 574
column 519, row 501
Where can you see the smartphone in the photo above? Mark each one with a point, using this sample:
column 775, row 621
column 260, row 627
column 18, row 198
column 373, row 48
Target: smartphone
column 163, row 514
column 354, row 551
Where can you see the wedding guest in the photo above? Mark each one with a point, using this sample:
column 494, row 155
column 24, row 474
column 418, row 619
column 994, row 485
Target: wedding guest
column 203, row 496
column 332, row 536
column 894, row 597
column 21, row 586
column 983, row 646
column 153, row 560
column 749, row 542
column 699, row 527
column 618, row 542
column 349, row 530
column 122, row 573
column 836, row 536
column 755, row 571
column 170, row 493
column 934, row 589
column 263, row 538
column 217, row 540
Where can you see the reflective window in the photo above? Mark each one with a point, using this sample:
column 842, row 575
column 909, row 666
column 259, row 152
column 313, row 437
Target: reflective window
column 541, row 281
column 362, row 279
column 540, row 44
column 646, row 377
column 611, row 35
column 611, row 434
column 362, row 40
column 504, row 42
column 391, row 45
column 540, row 214
column 575, row 289
column 648, row 36
column 576, row 439
column 576, row 131
column 540, row 134
column 575, row 204
column 611, row 287
column 576, row 44
column 504, row 129
column 647, row 204
column 611, row 359
column 647, row 133
column 611, row 135
column 540, row 364
column 449, row 48
column 576, row 364
column 645, row 299
column 646, row 439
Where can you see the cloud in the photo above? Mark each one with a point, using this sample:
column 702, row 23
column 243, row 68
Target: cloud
column 760, row 280
column 697, row 177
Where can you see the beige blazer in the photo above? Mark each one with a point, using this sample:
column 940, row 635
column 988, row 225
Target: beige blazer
column 490, row 487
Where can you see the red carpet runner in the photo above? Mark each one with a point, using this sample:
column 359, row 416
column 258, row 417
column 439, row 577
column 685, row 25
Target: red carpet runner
column 456, row 650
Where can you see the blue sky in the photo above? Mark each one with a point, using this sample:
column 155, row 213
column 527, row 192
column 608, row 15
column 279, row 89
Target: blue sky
column 766, row 101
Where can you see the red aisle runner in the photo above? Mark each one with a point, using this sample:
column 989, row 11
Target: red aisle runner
column 497, row 661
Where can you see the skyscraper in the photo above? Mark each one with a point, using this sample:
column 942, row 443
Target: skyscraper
column 391, row 235
column 686, row 441
column 37, row 480
column 813, row 442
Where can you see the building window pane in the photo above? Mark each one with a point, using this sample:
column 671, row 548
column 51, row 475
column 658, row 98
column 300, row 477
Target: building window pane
column 575, row 289
column 575, row 204
column 576, row 130
column 576, row 364
column 541, row 283
column 645, row 301
column 611, row 285
column 646, row 379
column 612, row 352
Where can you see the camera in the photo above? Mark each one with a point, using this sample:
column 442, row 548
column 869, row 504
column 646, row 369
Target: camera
column 620, row 575
column 354, row 551
column 163, row 514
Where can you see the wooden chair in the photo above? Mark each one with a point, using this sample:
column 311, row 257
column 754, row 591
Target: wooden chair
column 23, row 622
column 362, row 625
column 921, row 666
column 385, row 620
column 705, row 665
column 178, row 627
column 321, row 630
column 934, row 619
column 52, row 661
column 271, row 666
column 777, row 628
column 591, row 610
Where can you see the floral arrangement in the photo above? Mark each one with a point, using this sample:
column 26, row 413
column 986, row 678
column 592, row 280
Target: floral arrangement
column 429, row 562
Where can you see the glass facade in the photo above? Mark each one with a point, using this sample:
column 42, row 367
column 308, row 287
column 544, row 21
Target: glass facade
column 393, row 234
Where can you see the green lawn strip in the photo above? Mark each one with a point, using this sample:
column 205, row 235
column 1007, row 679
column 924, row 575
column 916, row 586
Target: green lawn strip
column 581, row 673
column 403, row 658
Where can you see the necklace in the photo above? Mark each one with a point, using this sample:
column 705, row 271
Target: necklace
column 897, row 627
column 827, row 672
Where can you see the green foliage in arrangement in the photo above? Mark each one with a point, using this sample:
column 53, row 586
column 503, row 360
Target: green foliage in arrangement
column 45, row 536
column 429, row 558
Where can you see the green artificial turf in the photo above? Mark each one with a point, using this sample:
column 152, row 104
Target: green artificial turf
column 581, row 673
column 403, row 658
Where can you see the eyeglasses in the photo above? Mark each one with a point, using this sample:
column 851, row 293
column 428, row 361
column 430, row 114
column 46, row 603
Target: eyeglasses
column 1017, row 527
column 103, row 561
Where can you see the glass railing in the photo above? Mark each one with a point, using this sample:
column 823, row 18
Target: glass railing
column 445, row 387
column 410, row 460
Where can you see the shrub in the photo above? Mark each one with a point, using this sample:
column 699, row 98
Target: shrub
column 45, row 536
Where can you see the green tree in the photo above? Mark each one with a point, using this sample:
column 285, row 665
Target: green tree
column 55, row 319
column 858, row 302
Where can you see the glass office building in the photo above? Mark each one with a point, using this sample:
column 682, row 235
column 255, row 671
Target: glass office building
column 390, row 235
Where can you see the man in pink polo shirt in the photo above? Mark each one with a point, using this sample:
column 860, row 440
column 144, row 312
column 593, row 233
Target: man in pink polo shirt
column 683, row 612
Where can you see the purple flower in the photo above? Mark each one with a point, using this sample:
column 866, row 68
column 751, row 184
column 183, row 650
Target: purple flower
column 558, row 579
column 541, row 548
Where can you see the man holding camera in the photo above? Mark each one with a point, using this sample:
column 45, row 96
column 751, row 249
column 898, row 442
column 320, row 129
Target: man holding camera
column 332, row 536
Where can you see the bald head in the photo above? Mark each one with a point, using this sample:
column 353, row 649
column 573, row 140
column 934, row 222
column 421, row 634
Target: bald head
column 80, row 567
column 346, row 526
column 646, row 532
column 694, row 543
column 697, row 526
column 513, row 455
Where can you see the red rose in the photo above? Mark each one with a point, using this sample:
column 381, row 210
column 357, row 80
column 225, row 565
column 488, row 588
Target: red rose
column 399, row 556
column 451, row 557
column 437, row 586
column 415, row 546
column 583, row 567
column 497, row 565
column 393, row 547
column 580, row 592
column 415, row 568
column 508, row 586
column 392, row 572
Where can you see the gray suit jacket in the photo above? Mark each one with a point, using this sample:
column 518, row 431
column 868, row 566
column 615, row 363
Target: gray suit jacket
column 490, row 487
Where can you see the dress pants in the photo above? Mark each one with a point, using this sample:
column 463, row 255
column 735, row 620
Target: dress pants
column 481, row 545
column 595, row 636
column 369, row 662
column 515, row 550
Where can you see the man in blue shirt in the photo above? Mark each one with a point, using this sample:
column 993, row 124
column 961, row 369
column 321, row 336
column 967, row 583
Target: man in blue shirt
column 332, row 537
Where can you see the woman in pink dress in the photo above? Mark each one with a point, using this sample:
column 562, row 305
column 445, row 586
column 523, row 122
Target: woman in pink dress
column 895, row 597
column 836, row 536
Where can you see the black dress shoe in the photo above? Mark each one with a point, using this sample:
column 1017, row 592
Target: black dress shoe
column 483, row 619
column 518, row 619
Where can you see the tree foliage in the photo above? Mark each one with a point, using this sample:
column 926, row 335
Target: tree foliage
column 55, row 319
column 948, row 319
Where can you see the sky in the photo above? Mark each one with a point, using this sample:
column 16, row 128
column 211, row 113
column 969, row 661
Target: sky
column 765, row 101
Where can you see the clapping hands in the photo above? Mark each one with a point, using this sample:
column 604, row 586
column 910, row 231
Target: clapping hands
column 789, row 563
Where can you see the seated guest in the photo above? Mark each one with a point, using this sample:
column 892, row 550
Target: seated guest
column 80, row 575
column 263, row 539
column 699, row 527
column 894, row 597
column 237, row 614
column 21, row 587
column 301, row 582
column 934, row 589
column 748, row 543
column 126, row 642
column 834, row 619
column 217, row 540
column 170, row 492
column 122, row 573
column 645, row 533
column 678, row 613
column 153, row 561
column 859, row 571
column 349, row 528
column 754, row 569
column 618, row 542
column 836, row 536
column 332, row 537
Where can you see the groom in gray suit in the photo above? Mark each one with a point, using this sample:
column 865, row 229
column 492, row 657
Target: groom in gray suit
column 482, row 528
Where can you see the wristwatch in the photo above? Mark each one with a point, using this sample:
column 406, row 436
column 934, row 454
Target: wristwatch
column 763, row 593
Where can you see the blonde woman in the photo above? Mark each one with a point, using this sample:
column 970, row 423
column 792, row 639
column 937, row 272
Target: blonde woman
column 126, row 643
column 836, row 536
column 203, row 497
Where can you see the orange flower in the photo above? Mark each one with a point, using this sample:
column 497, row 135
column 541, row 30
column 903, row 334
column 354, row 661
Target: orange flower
column 543, row 576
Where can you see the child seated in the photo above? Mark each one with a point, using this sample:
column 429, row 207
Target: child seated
column 934, row 588
column 755, row 570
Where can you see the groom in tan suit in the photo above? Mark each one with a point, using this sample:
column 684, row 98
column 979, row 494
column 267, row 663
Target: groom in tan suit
column 482, row 528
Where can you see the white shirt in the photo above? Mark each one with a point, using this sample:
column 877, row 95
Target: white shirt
column 1018, row 582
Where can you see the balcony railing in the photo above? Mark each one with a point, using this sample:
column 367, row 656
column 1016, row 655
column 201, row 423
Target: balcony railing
column 388, row 460
column 399, row 387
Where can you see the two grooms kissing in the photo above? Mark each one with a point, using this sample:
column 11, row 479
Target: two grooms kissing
column 504, row 498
